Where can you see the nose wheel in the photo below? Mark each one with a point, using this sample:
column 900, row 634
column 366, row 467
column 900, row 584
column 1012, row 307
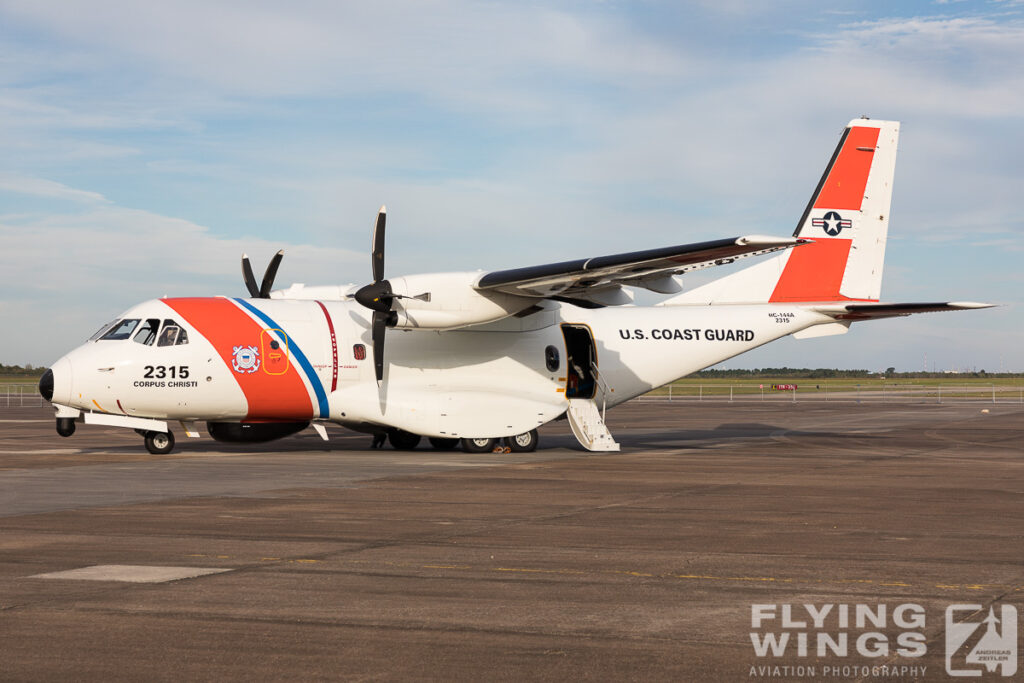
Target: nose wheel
column 159, row 443
column 65, row 426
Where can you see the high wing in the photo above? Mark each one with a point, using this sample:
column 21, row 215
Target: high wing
column 874, row 311
column 651, row 269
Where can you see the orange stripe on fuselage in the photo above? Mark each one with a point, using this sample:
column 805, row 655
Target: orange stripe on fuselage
column 844, row 187
column 814, row 272
column 225, row 325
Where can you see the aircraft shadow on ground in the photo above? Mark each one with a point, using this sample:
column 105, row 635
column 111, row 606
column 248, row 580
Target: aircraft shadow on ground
column 713, row 438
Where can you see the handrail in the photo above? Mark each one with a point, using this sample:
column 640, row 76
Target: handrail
column 604, row 387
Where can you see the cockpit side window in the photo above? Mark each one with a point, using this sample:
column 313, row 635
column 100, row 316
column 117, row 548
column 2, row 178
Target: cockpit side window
column 122, row 329
column 147, row 332
column 103, row 330
column 172, row 334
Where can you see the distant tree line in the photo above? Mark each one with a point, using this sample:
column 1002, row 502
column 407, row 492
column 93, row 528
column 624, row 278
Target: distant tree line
column 835, row 373
column 20, row 370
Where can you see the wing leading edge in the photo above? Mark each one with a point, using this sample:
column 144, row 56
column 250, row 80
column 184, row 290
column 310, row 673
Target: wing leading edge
column 651, row 269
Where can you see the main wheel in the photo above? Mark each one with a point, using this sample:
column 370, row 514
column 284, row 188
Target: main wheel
column 402, row 440
column 443, row 444
column 478, row 445
column 523, row 443
column 159, row 443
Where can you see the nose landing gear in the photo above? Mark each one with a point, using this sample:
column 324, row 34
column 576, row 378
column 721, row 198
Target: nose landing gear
column 159, row 443
column 65, row 426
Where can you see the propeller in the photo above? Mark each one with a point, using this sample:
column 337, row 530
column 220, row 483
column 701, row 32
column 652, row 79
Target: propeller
column 377, row 296
column 263, row 291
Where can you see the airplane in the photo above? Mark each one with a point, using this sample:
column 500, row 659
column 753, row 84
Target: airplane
column 482, row 359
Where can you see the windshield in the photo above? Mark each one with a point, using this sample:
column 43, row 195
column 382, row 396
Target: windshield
column 147, row 332
column 99, row 332
column 122, row 329
column 172, row 334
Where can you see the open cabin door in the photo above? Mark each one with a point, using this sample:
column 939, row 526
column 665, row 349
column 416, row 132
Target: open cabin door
column 580, row 359
column 585, row 419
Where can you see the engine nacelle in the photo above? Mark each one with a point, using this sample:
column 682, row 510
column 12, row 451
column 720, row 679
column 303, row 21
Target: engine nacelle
column 448, row 301
column 253, row 432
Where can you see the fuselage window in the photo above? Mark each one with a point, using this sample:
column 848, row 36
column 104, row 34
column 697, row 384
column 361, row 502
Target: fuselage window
column 121, row 330
column 551, row 358
column 359, row 351
column 172, row 334
column 147, row 332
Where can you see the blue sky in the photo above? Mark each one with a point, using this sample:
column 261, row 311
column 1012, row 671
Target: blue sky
column 144, row 146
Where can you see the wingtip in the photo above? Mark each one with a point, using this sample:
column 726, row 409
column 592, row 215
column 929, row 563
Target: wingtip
column 383, row 208
column 971, row 304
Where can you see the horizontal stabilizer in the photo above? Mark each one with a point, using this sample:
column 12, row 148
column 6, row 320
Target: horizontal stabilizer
column 872, row 311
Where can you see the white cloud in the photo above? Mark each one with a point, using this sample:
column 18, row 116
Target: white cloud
column 40, row 187
column 97, row 259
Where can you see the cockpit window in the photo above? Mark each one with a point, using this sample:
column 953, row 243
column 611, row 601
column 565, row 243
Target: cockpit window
column 147, row 332
column 172, row 334
column 102, row 330
column 122, row 329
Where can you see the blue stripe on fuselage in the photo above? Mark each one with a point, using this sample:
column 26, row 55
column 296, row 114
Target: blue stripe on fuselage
column 296, row 352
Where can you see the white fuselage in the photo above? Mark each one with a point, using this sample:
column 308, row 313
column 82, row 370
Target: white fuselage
column 484, row 381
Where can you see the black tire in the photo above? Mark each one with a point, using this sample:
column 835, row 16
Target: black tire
column 443, row 444
column 478, row 445
column 65, row 426
column 523, row 443
column 403, row 441
column 159, row 443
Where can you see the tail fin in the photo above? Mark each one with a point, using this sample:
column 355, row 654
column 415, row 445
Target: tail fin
column 848, row 219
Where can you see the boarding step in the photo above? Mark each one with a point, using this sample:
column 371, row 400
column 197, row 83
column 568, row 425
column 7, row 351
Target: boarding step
column 588, row 427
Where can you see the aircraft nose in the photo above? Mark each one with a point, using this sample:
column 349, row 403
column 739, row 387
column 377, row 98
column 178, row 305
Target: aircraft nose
column 46, row 385
column 55, row 384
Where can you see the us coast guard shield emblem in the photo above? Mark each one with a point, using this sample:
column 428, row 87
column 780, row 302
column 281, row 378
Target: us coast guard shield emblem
column 246, row 359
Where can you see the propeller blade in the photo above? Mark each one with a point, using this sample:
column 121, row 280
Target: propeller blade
column 378, row 244
column 249, row 278
column 270, row 274
column 380, row 323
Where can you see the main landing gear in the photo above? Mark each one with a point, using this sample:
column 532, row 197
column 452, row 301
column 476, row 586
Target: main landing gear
column 520, row 443
column 406, row 441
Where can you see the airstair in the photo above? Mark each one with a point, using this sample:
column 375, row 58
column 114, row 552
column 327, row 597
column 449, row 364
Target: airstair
column 589, row 428
column 587, row 421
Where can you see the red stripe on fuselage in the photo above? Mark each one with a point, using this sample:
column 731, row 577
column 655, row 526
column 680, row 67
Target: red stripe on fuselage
column 226, row 326
column 334, row 347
